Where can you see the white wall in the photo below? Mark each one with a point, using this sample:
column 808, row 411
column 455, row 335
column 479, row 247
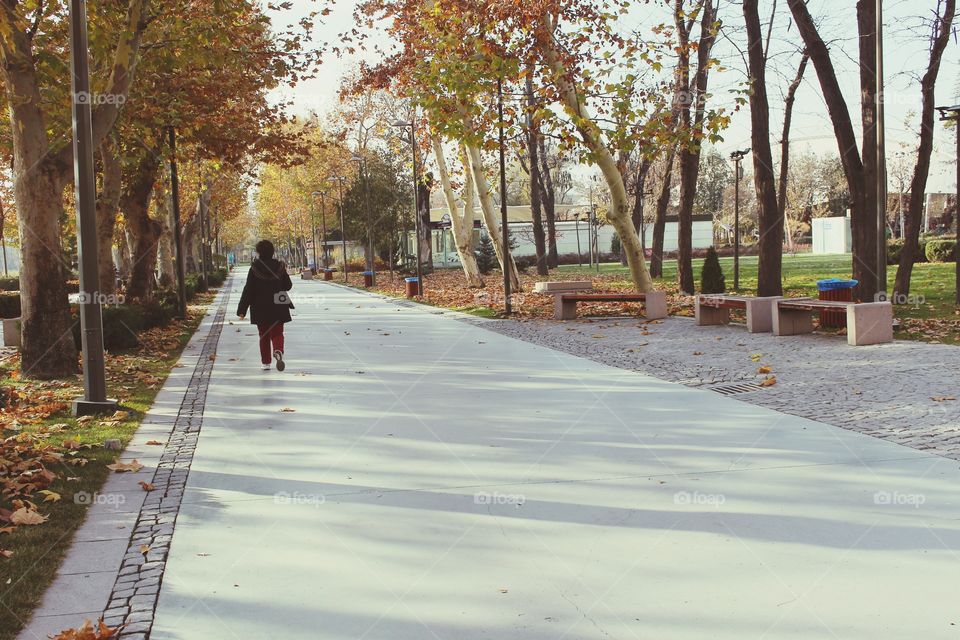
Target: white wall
column 832, row 235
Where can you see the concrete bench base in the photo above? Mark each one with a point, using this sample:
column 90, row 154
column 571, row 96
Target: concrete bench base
column 867, row 323
column 11, row 332
column 759, row 311
column 306, row 274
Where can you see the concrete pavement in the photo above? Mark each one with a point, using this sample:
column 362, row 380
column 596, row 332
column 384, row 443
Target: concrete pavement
column 413, row 476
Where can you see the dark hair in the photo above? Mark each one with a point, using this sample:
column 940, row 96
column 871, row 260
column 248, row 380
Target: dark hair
column 265, row 249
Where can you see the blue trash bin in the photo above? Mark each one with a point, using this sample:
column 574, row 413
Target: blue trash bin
column 839, row 290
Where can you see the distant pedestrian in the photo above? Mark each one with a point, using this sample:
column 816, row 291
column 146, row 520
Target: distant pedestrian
column 265, row 295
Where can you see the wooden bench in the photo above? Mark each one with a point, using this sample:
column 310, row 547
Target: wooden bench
column 867, row 322
column 714, row 309
column 655, row 303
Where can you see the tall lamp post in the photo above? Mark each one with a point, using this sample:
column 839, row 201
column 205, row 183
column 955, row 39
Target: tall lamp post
column 412, row 125
column 881, row 160
column 952, row 113
column 323, row 222
column 343, row 229
column 507, row 294
column 737, row 157
column 94, row 399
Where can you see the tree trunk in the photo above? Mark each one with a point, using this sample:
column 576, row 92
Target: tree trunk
column 785, row 147
column 424, row 187
column 690, row 153
column 864, row 221
column 144, row 230
column 533, row 135
column 476, row 171
column 107, row 205
column 769, row 277
column 918, row 184
column 548, row 196
column 619, row 213
column 853, row 165
column 166, row 258
column 461, row 224
column 660, row 221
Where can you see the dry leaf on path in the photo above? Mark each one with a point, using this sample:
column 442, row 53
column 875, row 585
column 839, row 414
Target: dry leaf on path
column 764, row 369
column 769, row 382
column 942, row 398
column 125, row 466
column 154, row 442
column 146, row 486
column 287, row 410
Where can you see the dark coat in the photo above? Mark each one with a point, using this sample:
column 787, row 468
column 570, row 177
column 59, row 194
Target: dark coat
column 265, row 293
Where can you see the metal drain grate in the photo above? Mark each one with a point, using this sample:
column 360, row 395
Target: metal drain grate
column 736, row 389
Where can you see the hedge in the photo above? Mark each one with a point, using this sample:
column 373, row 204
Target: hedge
column 941, row 250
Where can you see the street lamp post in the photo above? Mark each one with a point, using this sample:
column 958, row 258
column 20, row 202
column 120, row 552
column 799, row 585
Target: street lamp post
column 343, row 229
column 881, row 160
column 579, row 252
column 737, row 157
column 94, row 399
column 323, row 221
column 952, row 113
column 416, row 198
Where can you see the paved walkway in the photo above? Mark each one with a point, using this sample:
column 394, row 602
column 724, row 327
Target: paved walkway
column 414, row 476
column 907, row 392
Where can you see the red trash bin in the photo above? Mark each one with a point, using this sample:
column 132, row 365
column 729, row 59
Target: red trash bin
column 413, row 287
column 328, row 274
column 841, row 291
column 368, row 279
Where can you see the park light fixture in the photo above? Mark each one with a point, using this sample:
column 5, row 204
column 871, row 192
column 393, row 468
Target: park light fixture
column 737, row 157
column 952, row 114
column 364, row 177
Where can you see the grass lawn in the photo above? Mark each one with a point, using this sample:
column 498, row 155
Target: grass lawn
column 929, row 316
column 41, row 417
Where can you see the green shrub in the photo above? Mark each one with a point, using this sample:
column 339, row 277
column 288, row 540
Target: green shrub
column 121, row 324
column 941, row 250
column 711, row 276
column 615, row 244
column 9, row 283
column 157, row 314
column 486, row 255
column 9, row 304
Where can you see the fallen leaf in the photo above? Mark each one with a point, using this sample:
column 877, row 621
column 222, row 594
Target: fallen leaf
column 49, row 496
column 125, row 466
column 769, row 382
column 146, row 486
column 287, row 410
column 26, row 516
column 942, row 398
column 764, row 369
column 756, row 357
column 84, row 419
column 154, row 442
column 71, row 444
column 5, row 553
column 144, row 548
column 698, row 353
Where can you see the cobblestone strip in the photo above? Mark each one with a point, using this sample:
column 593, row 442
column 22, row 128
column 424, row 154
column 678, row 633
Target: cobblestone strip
column 134, row 596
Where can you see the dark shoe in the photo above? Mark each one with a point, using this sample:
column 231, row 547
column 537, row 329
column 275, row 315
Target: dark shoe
column 278, row 356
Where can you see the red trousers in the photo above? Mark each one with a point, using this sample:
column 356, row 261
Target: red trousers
column 270, row 333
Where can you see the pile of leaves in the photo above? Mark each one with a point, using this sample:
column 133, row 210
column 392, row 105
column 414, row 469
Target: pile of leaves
column 89, row 631
column 448, row 288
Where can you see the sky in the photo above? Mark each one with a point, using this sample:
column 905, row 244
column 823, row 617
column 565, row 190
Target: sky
column 905, row 59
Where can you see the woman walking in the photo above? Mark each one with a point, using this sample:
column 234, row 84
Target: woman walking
column 265, row 295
